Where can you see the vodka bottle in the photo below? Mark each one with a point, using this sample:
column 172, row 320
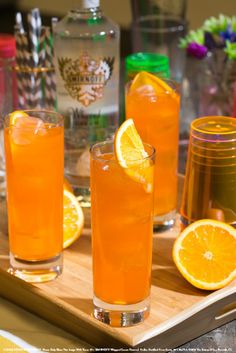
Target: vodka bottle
column 86, row 45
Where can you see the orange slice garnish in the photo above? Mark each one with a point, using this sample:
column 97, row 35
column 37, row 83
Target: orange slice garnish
column 17, row 115
column 146, row 84
column 205, row 254
column 24, row 128
column 146, row 81
column 131, row 155
column 129, row 147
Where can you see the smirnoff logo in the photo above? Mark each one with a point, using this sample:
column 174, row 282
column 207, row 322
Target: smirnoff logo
column 85, row 78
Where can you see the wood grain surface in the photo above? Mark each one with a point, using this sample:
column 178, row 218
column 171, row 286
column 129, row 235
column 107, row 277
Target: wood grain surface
column 179, row 312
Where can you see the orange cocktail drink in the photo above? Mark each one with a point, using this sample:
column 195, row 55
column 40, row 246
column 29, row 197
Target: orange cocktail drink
column 121, row 232
column 154, row 106
column 34, row 166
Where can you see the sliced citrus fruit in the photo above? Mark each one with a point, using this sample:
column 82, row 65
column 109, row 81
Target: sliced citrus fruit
column 16, row 115
column 131, row 155
column 67, row 185
column 73, row 219
column 146, row 81
column 24, row 128
column 205, row 254
column 129, row 147
column 142, row 173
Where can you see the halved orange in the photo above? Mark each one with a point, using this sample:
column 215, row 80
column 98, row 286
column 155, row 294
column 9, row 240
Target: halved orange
column 73, row 219
column 205, row 254
column 67, row 185
column 131, row 155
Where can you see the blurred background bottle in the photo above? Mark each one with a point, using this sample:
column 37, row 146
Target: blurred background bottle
column 8, row 93
column 157, row 26
column 87, row 57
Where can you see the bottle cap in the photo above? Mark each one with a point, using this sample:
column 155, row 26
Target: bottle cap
column 154, row 63
column 7, row 46
column 90, row 3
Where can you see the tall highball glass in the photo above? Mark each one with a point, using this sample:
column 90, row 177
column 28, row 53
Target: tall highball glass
column 122, row 221
column 34, row 168
column 156, row 116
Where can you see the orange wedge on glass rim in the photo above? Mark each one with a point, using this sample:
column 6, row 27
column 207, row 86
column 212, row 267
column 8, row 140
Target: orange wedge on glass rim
column 205, row 254
column 146, row 83
column 73, row 219
column 131, row 155
column 24, row 128
column 17, row 115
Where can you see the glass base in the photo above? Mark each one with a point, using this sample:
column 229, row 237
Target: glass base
column 121, row 315
column 163, row 222
column 36, row 271
column 184, row 222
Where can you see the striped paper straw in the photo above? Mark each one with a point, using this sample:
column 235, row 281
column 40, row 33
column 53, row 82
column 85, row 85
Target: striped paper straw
column 36, row 85
column 54, row 21
column 50, row 86
column 19, row 62
column 33, row 38
column 42, row 46
column 19, row 22
column 36, row 14
column 37, row 98
column 36, row 24
column 27, row 77
column 39, row 77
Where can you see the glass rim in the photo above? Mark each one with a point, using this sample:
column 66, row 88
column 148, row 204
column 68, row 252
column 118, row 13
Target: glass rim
column 30, row 112
column 197, row 124
column 180, row 27
column 111, row 142
column 175, row 88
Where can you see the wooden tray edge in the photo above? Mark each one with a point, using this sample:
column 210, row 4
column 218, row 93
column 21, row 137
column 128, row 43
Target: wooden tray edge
column 212, row 305
column 50, row 308
column 92, row 331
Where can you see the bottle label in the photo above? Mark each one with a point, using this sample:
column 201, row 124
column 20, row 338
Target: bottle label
column 85, row 78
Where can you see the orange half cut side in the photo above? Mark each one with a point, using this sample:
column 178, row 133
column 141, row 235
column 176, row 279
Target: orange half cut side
column 73, row 219
column 205, row 254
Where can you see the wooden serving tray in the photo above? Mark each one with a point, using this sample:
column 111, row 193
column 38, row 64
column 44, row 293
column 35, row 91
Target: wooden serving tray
column 179, row 312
